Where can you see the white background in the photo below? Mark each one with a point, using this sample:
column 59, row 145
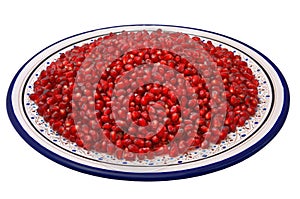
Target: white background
column 269, row 26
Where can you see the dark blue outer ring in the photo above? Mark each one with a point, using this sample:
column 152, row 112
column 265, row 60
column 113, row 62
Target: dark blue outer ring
column 161, row 175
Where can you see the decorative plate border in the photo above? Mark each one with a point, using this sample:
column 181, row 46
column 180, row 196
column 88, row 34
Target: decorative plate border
column 161, row 175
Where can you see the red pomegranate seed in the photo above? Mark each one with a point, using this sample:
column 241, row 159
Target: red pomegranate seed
column 119, row 153
column 65, row 111
column 174, row 151
column 129, row 156
column 133, row 148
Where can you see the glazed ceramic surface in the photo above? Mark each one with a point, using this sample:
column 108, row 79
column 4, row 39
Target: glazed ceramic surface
column 245, row 141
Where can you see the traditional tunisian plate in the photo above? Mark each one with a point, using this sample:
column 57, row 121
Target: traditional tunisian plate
column 246, row 140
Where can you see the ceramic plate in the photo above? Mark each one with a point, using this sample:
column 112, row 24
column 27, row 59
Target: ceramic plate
column 245, row 141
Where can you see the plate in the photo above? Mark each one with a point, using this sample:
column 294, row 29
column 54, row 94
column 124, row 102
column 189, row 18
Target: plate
column 258, row 131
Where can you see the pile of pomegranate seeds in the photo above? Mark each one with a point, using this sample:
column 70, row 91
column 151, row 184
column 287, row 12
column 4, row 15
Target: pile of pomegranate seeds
column 92, row 108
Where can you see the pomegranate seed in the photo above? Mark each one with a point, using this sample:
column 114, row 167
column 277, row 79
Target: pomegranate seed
column 241, row 121
column 174, row 151
column 139, row 142
column 129, row 156
column 133, row 148
column 119, row 153
column 174, row 117
column 54, row 87
column 205, row 144
column 142, row 122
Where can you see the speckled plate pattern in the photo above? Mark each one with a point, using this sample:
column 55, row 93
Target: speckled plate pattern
column 245, row 141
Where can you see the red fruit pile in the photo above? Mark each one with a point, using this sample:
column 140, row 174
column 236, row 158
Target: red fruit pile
column 59, row 103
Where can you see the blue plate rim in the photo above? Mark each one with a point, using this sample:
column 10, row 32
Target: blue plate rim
column 159, row 176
